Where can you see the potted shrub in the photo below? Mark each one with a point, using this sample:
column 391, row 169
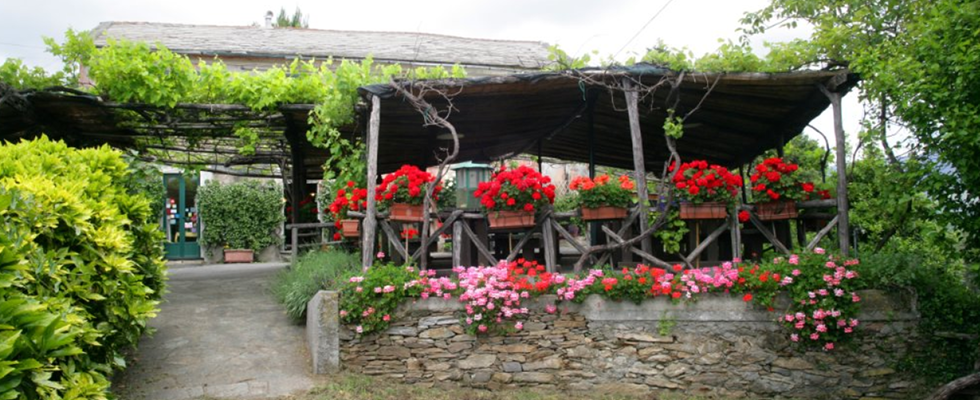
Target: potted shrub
column 348, row 198
column 512, row 196
column 706, row 190
column 602, row 200
column 403, row 192
column 779, row 187
column 241, row 217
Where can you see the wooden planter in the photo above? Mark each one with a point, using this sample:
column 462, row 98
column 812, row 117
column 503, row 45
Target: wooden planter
column 406, row 213
column 776, row 210
column 350, row 228
column 238, row 256
column 709, row 210
column 603, row 213
column 510, row 219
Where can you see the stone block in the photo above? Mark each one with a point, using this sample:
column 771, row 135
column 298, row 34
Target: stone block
column 437, row 333
column 477, row 361
column 323, row 331
column 511, row 366
column 661, row 383
column 547, row 363
column 644, row 337
column 534, row 377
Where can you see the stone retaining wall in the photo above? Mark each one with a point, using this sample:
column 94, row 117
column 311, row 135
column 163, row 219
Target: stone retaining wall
column 719, row 345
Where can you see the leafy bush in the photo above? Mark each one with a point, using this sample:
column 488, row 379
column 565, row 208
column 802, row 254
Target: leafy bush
column 314, row 271
column 81, row 269
column 241, row 215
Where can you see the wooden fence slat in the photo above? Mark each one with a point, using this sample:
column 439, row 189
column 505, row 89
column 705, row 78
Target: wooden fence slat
column 823, row 232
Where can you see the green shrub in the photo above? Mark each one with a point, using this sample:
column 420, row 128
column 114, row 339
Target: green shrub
column 241, row 215
column 81, row 269
column 945, row 302
column 314, row 271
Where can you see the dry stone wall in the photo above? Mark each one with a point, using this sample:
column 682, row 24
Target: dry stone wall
column 719, row 345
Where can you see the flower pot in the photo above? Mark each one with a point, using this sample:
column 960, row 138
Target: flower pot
column 603, row 213
column 406, row 213
column 776, row 210
column 238, row 256
column 708, row 210
column 350, row 228
column 510, row 219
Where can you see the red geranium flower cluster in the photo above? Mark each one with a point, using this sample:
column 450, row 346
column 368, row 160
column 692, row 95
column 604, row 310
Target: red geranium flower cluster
column 517, row 189
column 700, row 182
column 529, row 275
column 776, row 179
column 409, row 233
column 349, row 198
column 407, row 185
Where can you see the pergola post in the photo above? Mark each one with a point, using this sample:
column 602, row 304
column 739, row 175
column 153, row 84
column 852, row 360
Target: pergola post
column 297, row 186
column 843, row 223
column 639, row 166
column 369, row 225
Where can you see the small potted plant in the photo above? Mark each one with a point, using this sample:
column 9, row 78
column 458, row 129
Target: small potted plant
column 776, row 182
column 403, row 192
column 349, row 198
column 706, row 190
column 512, row 196
column 602, row 200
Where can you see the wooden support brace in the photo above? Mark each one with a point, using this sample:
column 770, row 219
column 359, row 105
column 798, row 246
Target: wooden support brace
column 707, row 242
column 646, row 256
column 548, row 242
column 823, row 232
column 571, row 240
column 393, row 239
column 768, row 234
column 520, row 245
column 482, row 248
column 435, row 235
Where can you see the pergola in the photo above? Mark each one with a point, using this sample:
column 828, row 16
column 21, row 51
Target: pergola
column 612, row 117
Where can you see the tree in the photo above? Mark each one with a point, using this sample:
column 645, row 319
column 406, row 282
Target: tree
column 917, row 61
column 297, row 20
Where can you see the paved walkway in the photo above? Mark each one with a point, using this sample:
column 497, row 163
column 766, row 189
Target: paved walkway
column 220, row 334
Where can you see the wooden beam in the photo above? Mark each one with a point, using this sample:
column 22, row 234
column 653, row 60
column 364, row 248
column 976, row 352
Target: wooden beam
column 843, row 225
column 823, row 232
column 370, row 220
column 548, row 242
column 571, row 240
column 639, row 167
column 646, row 256
column 393, row 239
column 707, row 241
column 768, row 234
column 482, row 248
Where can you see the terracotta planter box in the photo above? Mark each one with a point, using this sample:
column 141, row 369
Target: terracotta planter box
column 510, row 219
column 603, row 213
column 777, row 210
column 406, row 213
column 350, row 228
column 238, row 256
column 709, row 210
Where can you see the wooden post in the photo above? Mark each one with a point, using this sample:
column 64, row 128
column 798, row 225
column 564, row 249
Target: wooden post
column 370, row 222
column 548, row 243
column 297, row 187
column 294, row 245
column 458, row 242
column 639, row 166
column 843, row 223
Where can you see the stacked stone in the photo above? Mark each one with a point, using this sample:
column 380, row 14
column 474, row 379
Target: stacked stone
column 426, row 344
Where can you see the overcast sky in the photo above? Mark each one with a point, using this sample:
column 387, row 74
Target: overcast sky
column 575, row 25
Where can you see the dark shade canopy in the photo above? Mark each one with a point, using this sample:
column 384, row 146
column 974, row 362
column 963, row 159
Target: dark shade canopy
column 744, row 115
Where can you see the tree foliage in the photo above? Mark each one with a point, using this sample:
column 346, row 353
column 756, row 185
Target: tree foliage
column 917, row 60
column 297, row 20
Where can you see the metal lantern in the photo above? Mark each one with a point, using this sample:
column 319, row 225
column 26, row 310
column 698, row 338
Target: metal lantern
column 468, row 176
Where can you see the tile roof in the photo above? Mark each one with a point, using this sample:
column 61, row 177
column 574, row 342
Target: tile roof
column 254, row 41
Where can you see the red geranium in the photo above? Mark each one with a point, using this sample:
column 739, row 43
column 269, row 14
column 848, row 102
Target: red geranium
column 602, row 192
column 699, row 182
column 406, row 185
column 519, row 189
column 776, row 180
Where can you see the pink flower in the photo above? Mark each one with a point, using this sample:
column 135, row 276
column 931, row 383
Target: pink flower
column 789, row 317
column 358, row 289
column 359, row 329
column 814, row 336
column 343, row 313
column 796, row 272
column 447, row 296
column 482, row 328
column 794, row 337
column 829, row 346
column 356, row 279
column 377, row 290
column 838, row 292
column 855, row 298
column 821, row 328
column 386, row 318
column 794, row 259
column 469, row 321
column 819, row 250
column 518, row 325
column 550, row 308
column 822, row 292
column 388, row 289
column 848, row 330
column 381, row 254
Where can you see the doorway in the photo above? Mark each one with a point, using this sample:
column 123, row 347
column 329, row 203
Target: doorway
column 181, row 223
